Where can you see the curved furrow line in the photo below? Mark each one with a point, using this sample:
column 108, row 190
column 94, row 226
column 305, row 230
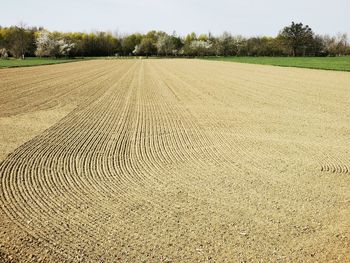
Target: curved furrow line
column 340, row 164
column 122, row 149
column 157, row 140
column 189, row 186
column 139, row 145
column 330, row 163
column 42, row 198
column 56, row 209
column 145, row 170
column 83, row 140
column 176, row 141
column 324, row 161
column 180, row 140
column 223, row 139
column 26, row 222
column 118, row 145
column 197, row 128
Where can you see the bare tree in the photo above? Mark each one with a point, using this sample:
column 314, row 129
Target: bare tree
column 20, row 40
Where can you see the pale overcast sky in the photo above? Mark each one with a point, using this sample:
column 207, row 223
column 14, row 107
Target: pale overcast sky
column 245, row 17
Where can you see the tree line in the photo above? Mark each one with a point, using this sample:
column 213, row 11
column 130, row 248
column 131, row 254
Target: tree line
column 293, row 40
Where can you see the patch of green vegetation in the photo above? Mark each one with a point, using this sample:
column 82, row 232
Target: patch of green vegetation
column 32, row 61
column 328, row 63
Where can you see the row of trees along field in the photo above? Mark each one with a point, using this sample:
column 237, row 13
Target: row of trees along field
column 293, row 40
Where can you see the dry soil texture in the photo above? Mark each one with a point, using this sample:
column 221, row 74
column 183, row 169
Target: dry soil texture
column 174, row 161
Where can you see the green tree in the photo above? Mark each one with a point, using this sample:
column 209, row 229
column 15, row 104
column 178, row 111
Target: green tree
column 228, row 45
column 147, row 47
column 177, row 43
column 297, row 37
column 130, row 42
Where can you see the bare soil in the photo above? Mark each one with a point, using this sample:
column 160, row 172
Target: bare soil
column 174, row 161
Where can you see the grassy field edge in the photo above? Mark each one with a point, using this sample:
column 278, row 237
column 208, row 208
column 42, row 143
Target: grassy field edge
column 31, row 62
column 323, row 63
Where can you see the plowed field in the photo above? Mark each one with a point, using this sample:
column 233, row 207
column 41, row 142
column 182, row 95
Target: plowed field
column 174, row 161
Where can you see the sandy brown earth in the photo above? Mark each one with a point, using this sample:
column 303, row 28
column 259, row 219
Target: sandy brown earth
column 174, row 161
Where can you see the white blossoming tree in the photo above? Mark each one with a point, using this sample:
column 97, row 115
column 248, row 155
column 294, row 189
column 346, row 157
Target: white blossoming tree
column 3, row 53
column 165, row 45
column 46, row 45
column 49, row 45
column 200, row 47
column 65, row 47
